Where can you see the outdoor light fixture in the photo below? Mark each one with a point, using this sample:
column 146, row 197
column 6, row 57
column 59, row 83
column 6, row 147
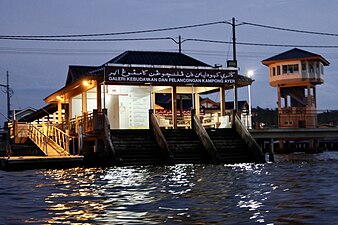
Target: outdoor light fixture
column 87, row 83
column 59, row 98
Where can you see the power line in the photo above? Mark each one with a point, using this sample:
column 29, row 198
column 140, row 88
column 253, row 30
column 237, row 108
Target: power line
column 88, row 40
column 168, row 38
column 262, row 44
column 288, row 29
column 19, row 37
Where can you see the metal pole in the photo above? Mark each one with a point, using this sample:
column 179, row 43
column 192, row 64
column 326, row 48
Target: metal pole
column 250, row 117
column 235, row 59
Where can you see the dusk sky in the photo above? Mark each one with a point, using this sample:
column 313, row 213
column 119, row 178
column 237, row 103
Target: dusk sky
column 38, row 68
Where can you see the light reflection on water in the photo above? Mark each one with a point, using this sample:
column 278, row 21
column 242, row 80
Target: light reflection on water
column 298, row 189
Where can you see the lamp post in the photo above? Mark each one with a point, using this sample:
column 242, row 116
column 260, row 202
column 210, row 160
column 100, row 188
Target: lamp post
column 250, row 74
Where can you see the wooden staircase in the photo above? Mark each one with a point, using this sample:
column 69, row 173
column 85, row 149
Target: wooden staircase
column 51, row 144
column 230, row 146
column 136, row 147
column 186, row 146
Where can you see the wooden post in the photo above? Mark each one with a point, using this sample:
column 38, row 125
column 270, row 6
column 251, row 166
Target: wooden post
column 314, row 96
column 174, row 107
column 66, row 108
column 193, row 112
column 84, row 102
column 98, row 97
column 70, row 112
column 151, row 112
column 271, row 151
column 279, row 106
column 59, row 112
column 197, row 105
column 309, row 98
column 222, row 100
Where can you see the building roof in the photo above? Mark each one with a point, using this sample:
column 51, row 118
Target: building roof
column 137, row 58
column 22, row 112
column 45, row 111
column 295, row 53
column 75, row 72
column 156, row 58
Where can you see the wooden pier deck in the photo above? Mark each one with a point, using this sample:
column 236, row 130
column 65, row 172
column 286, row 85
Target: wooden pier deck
column 296, row 139
column 40, row 162
column 295, row 133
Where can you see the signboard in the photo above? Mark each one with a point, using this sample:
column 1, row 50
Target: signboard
column 153, row 75
column 232, row 63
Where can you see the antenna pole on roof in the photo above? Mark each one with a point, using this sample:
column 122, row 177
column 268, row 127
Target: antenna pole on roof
column 179, row 44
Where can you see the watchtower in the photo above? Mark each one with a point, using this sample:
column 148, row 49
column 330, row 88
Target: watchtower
column 296, row 73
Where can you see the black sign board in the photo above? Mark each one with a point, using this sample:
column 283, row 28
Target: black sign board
column 163, row 75
column 232, row 63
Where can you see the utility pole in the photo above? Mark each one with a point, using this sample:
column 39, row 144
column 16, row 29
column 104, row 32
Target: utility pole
column 8, row 99
column 8, row 111
column 179, row 44
column 235, row 60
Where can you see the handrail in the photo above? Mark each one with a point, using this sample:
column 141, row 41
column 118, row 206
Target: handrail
column 38, row 137
column 59, row 137
column 106, row 133
column 205, row 138
column 247, row 138
column 160, row 139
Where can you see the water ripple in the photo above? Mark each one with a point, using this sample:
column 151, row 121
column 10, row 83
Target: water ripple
column 298, row 189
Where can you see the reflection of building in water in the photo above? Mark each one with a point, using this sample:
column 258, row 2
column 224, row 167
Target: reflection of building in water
column 296, row 73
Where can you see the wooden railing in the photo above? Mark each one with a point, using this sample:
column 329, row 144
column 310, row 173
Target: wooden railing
column 204, row 138
column 59, row 137
column 18, row 132
column 247, row 138
column 38, row 137
column 89, row 122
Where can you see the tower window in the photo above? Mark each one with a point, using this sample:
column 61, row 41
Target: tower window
column 285, row 69
column 290, row 69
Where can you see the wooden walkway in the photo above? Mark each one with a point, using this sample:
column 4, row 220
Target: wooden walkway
column 39, row 162
column 285, row 133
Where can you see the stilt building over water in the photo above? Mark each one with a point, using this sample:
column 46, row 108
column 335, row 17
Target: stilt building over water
column 111, row 113
column 295, row 74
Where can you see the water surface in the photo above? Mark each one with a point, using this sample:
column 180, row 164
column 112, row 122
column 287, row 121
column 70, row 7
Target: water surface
column 297, row 189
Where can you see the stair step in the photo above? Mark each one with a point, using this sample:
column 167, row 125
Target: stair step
column 186, row 146
column 136, row 147
column 230, row 146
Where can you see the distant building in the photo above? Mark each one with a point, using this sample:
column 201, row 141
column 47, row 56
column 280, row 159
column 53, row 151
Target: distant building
column 21, row 113
column 295, row 74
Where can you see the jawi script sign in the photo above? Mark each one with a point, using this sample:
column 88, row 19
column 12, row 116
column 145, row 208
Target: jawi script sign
column 167, row 75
